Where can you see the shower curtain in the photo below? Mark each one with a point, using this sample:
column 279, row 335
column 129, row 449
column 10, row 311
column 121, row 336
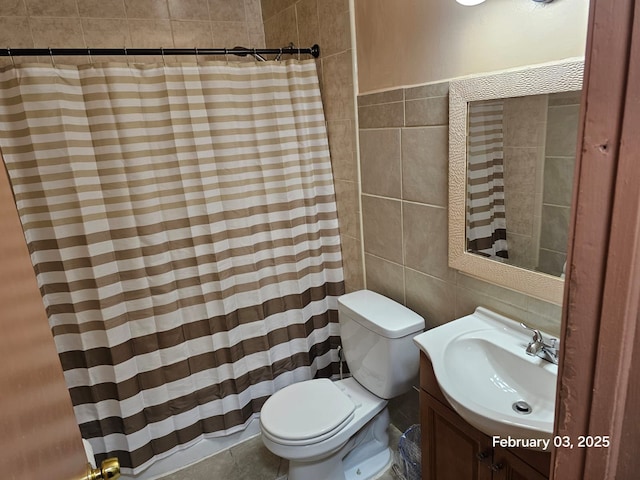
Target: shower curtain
column 486, row 222
column 182, row 225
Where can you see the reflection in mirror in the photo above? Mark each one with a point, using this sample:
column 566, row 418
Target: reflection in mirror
column 520, row 157
column 522, row 142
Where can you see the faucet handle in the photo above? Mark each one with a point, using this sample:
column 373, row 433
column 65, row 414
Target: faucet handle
column 537, row 336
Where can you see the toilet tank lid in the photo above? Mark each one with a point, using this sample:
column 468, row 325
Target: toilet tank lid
column 380, row 314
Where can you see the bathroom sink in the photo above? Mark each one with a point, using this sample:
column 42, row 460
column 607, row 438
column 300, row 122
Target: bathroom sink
column 483, row 370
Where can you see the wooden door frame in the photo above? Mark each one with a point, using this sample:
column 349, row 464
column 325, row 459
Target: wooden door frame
column 600, row 343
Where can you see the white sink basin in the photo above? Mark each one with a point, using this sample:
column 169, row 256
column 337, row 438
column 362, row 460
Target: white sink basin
column 482, row 369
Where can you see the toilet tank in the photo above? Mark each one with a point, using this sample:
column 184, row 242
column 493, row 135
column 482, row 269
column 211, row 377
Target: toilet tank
column 377, row 343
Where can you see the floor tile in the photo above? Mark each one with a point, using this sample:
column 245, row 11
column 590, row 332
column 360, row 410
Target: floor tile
column 251, row 460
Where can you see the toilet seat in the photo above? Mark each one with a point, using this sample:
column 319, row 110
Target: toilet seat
column 306, row 412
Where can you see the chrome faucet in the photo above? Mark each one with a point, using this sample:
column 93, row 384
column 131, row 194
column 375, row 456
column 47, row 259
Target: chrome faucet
column 546, row 349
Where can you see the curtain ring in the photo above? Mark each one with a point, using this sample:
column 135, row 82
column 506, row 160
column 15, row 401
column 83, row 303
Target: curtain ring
column 90, row 57
column 162, row 53
column 53, row 62
column 257, row 56
column 197, row 60
column 279, row 56
column 11, row 57
column 226, row 55
column 126, row 56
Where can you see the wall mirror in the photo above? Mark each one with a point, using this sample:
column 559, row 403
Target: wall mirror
column 512, row 141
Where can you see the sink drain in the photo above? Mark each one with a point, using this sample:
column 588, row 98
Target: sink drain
column 522, row 407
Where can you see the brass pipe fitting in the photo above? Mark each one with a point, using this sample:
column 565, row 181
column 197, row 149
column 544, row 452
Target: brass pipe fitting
column 109, row 469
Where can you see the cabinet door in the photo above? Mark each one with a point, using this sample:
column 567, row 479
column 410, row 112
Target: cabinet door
column 451, row 448
column 509, row 467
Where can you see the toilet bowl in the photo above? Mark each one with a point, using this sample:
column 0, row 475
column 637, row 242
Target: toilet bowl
column 337, row 430
column 334, row 412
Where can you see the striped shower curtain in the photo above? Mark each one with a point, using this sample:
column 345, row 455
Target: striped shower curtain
column 182, row 225
column 486, row 222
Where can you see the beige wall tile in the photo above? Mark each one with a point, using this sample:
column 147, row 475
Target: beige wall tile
column 555, row 228
column 255, row 28
column 520, row 166
column 551, row 262
column 427, row 111
column 425, row 165
column 562, row 131
column 256, row 35
column 151, row 34
column 381, row 115
column 341, row 135
column 426, row 241
column 229, row 35
column 226, row 11
column 337, row 78
column 352, row 263
column 525, row 121
column 308, row 27
column 56, row 32
column 336, row 5
column 189, row 34
column 519, row 208
column 106, row 33
column 468, row 300
column 565, row 98
column 558, row 180
column 188, row 9
column 382, row 227
column 15, row 33
column 101, row 8
column 549, row 326
column 385, row 278
column 146, row 9
column 147, row 26
column 281, row 28
column 48, row 8
column 430, row 298
column 425, row 185
column 335, row 32
column 426, row 91
column 380, row 162
column 348, row 208
column 12, row 8
column 522, row 250
column 380, row 98
column 272, row 7
column 519, row 307
column 319, row 70
column 487, row 289
column 253, row 11
column 543, row 315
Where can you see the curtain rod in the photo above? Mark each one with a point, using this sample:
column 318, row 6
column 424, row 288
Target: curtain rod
column 314, row 51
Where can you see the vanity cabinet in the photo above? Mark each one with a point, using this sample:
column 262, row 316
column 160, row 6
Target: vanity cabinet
column 454, row 450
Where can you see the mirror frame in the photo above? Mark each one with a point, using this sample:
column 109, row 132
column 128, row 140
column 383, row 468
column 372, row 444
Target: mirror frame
column 562, row 76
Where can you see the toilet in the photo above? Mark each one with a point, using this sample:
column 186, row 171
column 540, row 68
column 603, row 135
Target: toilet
column 337, row 430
